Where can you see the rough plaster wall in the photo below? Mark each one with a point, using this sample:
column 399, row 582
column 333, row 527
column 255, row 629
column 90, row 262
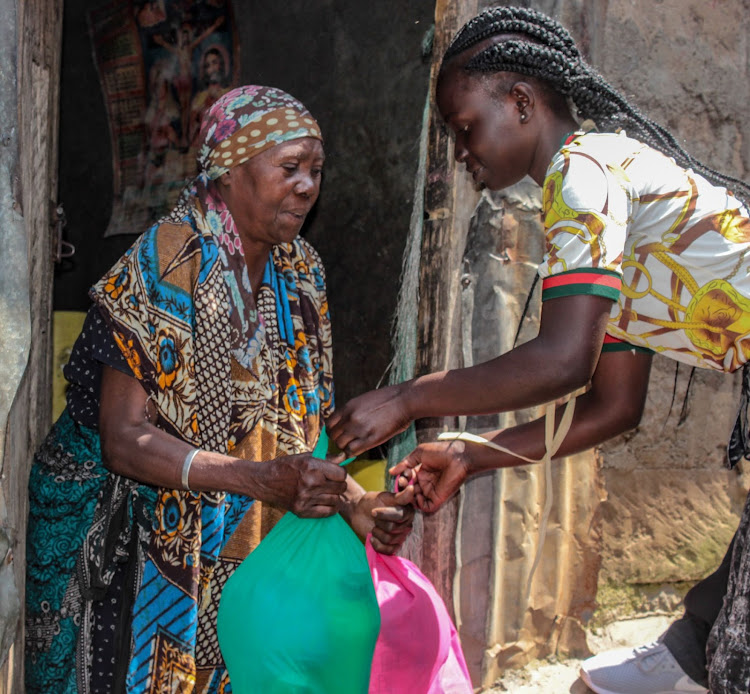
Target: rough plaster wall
column 15, row 327
column 38, row 63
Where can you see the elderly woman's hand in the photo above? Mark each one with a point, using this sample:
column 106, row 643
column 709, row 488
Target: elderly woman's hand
column 387, row 516
column 306, row 486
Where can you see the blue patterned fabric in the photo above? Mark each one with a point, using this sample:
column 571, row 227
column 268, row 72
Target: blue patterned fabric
column 60, row 516
column 67, row 484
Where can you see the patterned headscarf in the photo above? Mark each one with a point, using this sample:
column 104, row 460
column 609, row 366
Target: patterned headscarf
column 243, row 123
column 247, row 121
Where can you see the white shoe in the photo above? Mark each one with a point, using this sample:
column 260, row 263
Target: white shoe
column 649, row 669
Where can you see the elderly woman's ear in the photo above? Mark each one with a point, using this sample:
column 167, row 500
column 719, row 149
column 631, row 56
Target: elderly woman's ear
column 223, row 182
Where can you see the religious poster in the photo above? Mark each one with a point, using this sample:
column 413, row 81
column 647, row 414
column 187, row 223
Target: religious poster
column 161, row 64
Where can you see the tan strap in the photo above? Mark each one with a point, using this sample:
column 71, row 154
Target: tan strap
column 552, row 439
column 552, row 442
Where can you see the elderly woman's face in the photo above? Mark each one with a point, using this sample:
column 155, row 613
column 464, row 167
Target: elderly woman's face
column 271, row 194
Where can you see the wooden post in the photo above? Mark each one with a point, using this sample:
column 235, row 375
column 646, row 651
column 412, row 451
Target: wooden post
column 448, row 197
column 478, row 549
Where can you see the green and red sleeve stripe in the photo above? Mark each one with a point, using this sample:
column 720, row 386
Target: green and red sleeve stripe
column 614, row 344
column 592, row 281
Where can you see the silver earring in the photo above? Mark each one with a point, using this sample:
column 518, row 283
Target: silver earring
column 523, row 118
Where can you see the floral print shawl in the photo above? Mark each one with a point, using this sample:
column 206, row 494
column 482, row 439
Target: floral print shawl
column 230, row 372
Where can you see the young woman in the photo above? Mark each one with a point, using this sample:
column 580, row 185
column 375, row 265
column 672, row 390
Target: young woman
column 647, row 251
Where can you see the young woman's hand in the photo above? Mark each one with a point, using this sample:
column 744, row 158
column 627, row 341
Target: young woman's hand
column 369, row 419
column 306, row 486
column 437, row 470
column 387, row 516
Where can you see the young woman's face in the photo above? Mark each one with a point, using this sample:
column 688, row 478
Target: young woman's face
column 497, row 148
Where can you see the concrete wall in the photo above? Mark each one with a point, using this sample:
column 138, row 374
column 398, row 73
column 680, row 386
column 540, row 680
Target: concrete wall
column 671, row 507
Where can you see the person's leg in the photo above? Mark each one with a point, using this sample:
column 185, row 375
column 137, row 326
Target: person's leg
column 728, row 649
column 686, row 638
column 677, row 661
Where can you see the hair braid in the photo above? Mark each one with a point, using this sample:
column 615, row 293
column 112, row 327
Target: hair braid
column 541, row 47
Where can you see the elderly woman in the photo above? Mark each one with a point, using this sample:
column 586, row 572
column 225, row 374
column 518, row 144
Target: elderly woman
column 199, row 385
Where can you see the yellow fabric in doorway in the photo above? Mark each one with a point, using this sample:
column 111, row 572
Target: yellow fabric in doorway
column 369, row 473
column 66, row 327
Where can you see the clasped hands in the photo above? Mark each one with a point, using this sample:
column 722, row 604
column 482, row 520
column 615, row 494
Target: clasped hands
column 426, row 478
column 434, row 470
column 314, row 488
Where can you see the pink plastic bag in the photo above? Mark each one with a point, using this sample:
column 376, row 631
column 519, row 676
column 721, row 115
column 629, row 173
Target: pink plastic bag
column 417, row 651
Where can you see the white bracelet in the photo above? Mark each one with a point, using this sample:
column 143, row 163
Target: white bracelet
column 186, row 467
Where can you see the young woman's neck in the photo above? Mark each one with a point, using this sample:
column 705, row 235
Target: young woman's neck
column 553, row 132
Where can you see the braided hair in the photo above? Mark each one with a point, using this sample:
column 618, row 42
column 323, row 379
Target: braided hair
column 541, row 48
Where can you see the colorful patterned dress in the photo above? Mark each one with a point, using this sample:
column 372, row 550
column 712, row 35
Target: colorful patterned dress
column 229, row 372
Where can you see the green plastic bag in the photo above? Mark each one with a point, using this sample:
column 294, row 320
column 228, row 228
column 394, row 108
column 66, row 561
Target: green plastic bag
column 300, row 615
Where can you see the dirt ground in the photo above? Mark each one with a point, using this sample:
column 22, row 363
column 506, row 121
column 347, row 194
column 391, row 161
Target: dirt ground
column 559, row 676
